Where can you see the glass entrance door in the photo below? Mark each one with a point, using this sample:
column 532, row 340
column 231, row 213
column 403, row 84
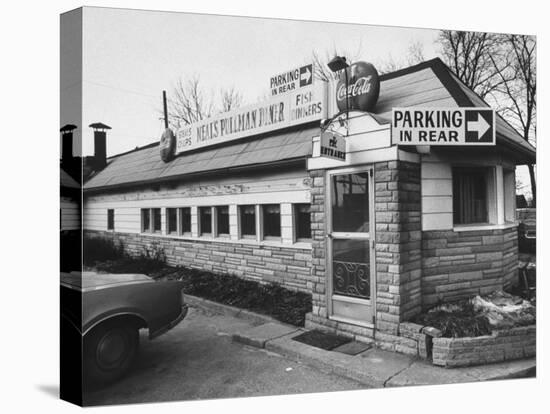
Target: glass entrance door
column 350, row 250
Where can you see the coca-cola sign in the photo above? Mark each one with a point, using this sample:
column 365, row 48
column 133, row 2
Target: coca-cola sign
column 362, row 88
column 167, row 145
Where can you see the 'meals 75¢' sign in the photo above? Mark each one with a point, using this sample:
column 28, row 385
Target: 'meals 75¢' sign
column 305, row 105
column 443, row 126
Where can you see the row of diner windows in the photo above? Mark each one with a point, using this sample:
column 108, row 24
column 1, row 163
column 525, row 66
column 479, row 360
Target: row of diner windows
column 214, row 221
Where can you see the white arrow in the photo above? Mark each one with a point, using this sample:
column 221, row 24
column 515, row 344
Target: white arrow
column 306, row 75
column 481, row 126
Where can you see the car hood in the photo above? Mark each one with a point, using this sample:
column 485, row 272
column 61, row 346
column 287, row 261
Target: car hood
column 92, row 280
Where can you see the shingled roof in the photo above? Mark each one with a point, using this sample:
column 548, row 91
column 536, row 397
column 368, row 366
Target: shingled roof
column 144, row 165
column 66, row 180
column 429, row 83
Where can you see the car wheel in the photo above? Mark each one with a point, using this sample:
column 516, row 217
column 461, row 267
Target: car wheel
column 109, row 350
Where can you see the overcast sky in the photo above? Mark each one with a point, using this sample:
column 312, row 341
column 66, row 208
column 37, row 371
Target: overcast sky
column 130, row 56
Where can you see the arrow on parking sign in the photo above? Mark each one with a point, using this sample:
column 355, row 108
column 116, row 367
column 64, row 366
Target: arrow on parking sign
column 305, row 75
column 478, row 124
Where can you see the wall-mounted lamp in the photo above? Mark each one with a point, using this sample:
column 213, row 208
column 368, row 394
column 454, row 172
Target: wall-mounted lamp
column 337, row 64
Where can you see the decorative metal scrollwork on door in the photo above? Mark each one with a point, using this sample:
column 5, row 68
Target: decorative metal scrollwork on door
column 351, row 279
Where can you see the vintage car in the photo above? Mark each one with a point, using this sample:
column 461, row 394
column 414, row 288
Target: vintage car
column 527, row 230
column 107, row 311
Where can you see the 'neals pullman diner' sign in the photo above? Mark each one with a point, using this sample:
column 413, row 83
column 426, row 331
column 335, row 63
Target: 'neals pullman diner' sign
column 305, row 105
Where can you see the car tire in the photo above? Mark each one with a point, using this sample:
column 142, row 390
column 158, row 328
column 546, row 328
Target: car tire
column 109, row 351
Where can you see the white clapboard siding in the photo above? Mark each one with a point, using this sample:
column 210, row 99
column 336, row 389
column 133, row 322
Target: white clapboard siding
column 70, row 214
column 437, row 194
column 286, row 187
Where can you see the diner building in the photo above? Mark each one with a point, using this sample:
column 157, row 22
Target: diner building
column 314, row 193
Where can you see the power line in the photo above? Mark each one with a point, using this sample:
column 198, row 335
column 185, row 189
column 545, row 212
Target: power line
column 159, row 97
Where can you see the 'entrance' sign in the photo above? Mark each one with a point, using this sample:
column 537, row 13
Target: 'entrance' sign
column 443, row 126
column 333, row 146
column 292, row 80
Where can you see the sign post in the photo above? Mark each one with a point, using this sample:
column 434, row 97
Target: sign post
column 443, row 126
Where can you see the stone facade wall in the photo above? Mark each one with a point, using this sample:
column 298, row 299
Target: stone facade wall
column 457, row 265
column 398, row 243
column 502, row 345
column 290, row 267
column 319, row 311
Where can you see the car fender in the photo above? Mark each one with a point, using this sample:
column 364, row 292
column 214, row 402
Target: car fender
column 120, row 313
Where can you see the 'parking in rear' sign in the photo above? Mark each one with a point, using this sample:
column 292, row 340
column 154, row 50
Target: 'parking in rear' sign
column 443, row 126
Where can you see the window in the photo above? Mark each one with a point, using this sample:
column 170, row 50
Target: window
column 110, row 219
column 156, row 220
column 172, row 220
column 222, row 217
column 302, row 221
column 470, row 195
column 185, row 220
column 271, row 220
column 350, row 202
column 145, row 220
column 205, row 220
column 248, row 221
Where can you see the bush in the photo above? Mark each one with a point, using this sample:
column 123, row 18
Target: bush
column 270, row 299
column 151, row 261
column 461, row 321
column 96, row 249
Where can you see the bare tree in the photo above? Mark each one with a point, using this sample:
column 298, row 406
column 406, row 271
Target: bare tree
column 415, row 55
column 500, row 69
column 519, row 90
column 468, row 54
column 189, row 102
column 231, row 99
column 320, row 69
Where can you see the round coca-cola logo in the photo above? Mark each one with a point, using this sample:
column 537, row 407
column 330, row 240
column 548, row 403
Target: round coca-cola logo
column 167, row 145
column 362, row 88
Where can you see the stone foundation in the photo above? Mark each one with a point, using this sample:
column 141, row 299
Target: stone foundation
column 502, row 345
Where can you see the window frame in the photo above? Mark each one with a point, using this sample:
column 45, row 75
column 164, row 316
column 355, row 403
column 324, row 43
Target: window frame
column 295, row 225
column 181, row 231
column 111, row 219
column 201, row 233
column 176, row 232
column 265, row 236
column 145, row 229
column 153, row 227
column 216, row 217
column 491, row 194
column 242, row 235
